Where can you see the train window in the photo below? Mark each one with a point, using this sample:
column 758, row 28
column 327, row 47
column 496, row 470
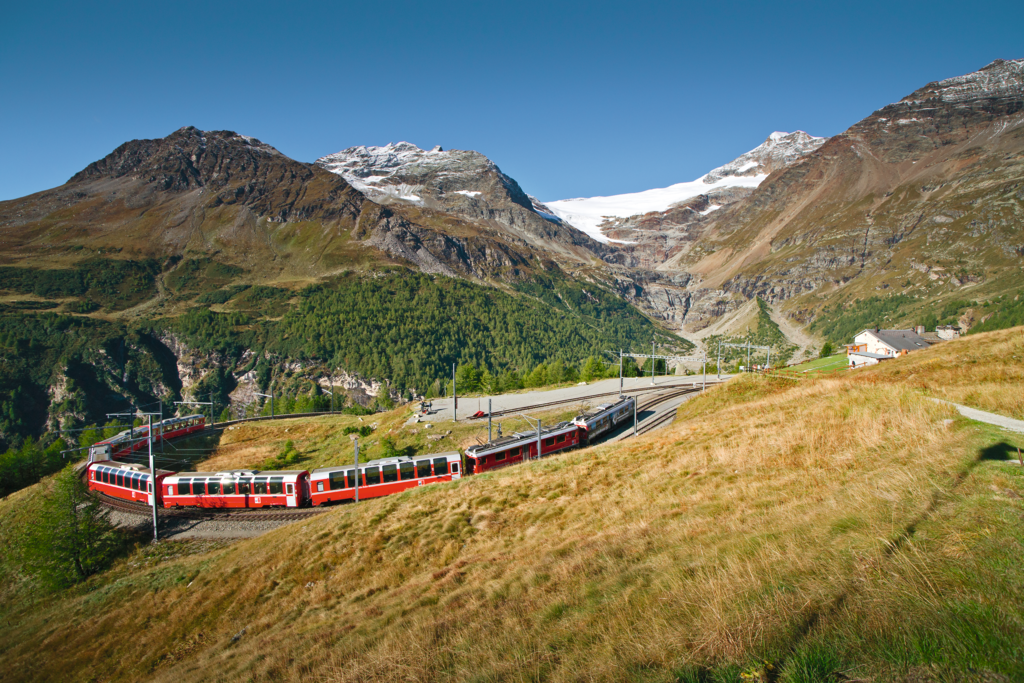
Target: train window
column 243, row 486
column 501, row 456
column 199, row 487
column 516, row 451
column 351, row 474
column 372, row 475
column 259, row 486
column 440, row 466
column 319, row 486
column 276, row 486
column 135, row 483
column 407, row 471
column 290, row 489
column 422, row 468
column 389, row 473
column 228, row 488
column 455, row 468
column 561, row 438
column 182, row 487
column 120, row 478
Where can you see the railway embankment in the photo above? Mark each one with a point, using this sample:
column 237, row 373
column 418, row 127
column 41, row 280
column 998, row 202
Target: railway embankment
column 837, row 528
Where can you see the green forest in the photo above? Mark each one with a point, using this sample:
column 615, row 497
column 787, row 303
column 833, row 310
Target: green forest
column 401, row 326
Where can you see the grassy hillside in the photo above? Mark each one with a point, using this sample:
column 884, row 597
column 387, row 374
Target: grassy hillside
column 837, row 528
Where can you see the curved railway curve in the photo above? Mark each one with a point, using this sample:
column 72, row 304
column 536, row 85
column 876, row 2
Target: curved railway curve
column 246, row 515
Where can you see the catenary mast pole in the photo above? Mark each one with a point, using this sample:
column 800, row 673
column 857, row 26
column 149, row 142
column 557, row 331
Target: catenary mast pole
column 455, row 398
column 152, row 480
column 620, row 373
column 489, row 421
column 356, row 442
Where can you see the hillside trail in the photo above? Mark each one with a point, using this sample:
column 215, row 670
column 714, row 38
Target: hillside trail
column 804, row 341
column 1008, row 423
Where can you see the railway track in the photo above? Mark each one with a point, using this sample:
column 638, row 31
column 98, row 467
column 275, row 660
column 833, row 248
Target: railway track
column 657, row 421
column 512, row 411
column 203, row 514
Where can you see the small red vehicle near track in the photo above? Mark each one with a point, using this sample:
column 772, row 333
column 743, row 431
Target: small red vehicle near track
column 237, row 489
column 382, row 477
column 126, row 481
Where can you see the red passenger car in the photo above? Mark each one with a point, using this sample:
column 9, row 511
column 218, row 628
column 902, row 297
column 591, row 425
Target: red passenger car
column 237, row 489
column 127, row 481
column 382, row 477
column 513, row 449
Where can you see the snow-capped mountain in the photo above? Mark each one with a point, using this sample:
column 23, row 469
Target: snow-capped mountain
column 462, row 183
column 747, row 171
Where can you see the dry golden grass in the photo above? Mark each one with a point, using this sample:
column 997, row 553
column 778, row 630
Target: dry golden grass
column 984, row 371
column 770, row 510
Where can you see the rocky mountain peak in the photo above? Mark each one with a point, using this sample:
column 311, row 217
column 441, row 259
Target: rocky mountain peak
column 778, row 151
column 462, row 183
column 186, row 159
column 1000, row 79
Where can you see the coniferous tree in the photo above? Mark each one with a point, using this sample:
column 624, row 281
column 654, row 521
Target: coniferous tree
column 71, row 538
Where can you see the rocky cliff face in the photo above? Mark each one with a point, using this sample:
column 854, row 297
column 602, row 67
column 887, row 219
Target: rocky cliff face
column 464, row 184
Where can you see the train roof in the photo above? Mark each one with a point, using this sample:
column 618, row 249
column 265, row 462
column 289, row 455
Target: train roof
column 387, row 461
column 518, row 437
column 242, row 473
column 131, row 466
column 597, row 410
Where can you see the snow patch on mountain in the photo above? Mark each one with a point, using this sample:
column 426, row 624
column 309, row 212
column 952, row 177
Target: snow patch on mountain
column 747, row 171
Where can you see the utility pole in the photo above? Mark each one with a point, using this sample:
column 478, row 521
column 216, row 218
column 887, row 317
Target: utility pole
column 635, row 398
column 704, row 373
column 620, row 373
column 489, row 421
column 539, row 452
column 652, row 362
column 355, row 440
column 455, row 398
column 152, row 479
column 719, row 361
column 748, row 355
column 152, row 466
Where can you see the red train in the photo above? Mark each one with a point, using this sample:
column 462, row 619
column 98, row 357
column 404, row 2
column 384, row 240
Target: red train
column 131, row 440
column 236, row 489
column 382, row 477
column 513, row 449
column 298, row 488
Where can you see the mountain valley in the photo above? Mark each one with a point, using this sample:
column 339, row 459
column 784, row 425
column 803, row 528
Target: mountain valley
column 190, row 264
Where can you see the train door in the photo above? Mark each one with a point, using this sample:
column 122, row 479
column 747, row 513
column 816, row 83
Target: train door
column 289, row 494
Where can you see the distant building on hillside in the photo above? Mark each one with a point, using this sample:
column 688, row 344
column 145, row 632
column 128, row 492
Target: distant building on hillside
column 947, row 332
column 889, row 342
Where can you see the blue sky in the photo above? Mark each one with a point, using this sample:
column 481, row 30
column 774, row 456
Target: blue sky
column 570, row 99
